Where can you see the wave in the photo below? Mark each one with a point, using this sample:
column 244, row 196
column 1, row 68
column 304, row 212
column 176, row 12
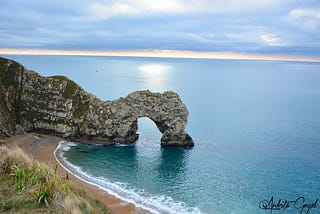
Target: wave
column 65, row 146
column 157, row 204
column 124, row 144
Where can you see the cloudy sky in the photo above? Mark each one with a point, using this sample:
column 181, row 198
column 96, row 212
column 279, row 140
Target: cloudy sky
column 250, row 26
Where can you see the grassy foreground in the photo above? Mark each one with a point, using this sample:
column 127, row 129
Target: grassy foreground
column 27, row 186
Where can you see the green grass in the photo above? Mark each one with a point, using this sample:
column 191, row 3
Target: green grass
column 27, row 186
column 13, row 202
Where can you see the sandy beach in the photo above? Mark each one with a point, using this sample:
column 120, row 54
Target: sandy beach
column 42, row 147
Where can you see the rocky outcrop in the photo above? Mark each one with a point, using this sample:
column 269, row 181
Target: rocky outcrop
column 59, row 106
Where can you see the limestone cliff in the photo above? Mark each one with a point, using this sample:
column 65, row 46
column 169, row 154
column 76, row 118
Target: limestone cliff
column 59, row 106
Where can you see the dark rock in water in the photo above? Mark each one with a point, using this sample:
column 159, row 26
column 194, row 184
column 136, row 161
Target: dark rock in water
column 84, row 151
column 57, row 105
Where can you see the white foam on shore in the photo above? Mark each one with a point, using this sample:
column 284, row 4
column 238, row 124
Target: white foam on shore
column 66, row 146
column 124, row 144
column 154, row 203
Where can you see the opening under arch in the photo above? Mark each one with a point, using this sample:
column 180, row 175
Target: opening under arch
column 148, row 131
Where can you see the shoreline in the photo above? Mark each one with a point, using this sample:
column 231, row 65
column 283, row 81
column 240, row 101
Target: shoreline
column 42, row 148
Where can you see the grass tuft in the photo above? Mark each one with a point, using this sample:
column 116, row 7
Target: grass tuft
column 27, row 186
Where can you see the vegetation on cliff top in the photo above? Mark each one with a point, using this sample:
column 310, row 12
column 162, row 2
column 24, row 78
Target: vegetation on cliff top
column 27, row 186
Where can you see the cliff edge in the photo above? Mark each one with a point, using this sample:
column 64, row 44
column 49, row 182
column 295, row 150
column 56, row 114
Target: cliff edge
column 57, row 105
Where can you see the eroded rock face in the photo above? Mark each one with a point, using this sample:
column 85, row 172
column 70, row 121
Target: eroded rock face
column 59, row 106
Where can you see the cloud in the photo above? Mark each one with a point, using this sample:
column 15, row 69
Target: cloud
column 204, row 38
column 307, row 19
column 205, row 25
column 108, row 9
column 310, row 13
column 236, row 6
column 272, row 40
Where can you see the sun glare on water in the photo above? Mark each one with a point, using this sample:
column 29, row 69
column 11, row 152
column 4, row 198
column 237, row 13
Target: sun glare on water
column 154, row 70
column 155, row 76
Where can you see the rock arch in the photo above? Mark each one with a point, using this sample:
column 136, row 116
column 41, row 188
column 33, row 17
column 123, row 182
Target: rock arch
column 166, row 110
column 57, row 105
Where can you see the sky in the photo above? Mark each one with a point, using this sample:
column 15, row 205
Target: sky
column 289, row 27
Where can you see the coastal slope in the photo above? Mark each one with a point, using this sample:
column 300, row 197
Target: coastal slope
column 57, row 105
column 29, row 186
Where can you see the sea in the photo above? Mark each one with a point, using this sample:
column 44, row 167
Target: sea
column 255, row 124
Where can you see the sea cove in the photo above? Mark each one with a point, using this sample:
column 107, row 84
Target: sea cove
column 255, row 125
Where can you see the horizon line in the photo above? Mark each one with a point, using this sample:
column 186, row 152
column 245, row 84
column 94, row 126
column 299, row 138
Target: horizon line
column 162, row 54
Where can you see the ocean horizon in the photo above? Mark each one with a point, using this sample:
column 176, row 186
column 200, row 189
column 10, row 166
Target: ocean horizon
column 255, row 124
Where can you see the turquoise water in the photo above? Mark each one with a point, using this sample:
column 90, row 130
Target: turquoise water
column 256, row 125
